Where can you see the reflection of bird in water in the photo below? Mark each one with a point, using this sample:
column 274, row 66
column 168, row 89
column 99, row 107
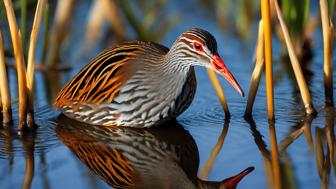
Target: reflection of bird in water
column 165, row 157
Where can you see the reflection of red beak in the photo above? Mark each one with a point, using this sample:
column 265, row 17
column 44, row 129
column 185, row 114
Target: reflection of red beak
column 233, row 181
column 220, row 67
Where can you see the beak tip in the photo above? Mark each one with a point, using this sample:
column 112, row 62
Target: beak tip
column 242, row 93
column 219, row 66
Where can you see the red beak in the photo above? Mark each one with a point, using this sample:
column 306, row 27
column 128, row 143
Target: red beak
column 220, row 67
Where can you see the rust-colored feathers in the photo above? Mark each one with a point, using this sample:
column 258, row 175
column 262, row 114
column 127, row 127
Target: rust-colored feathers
column 100, row 80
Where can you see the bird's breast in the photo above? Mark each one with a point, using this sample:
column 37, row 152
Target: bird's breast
column 153, row 100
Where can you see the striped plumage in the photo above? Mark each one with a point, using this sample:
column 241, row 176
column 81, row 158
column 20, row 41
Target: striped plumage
column 165, row 157
column 141, row 84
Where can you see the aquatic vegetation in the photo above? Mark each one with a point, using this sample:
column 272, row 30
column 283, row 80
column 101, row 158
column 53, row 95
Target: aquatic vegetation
column 6, row 107
column 328, row 38
column 265, row 14
column 287, row 144
column 25, row 79
column 257, row 71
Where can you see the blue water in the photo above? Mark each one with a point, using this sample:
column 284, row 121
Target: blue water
column 56, row 166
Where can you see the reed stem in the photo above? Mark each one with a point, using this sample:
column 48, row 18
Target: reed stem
column 19, row 58
column 31, row 59
column 214, row 153
column 4, row 89
column 307, row 133
column 330, row 136
column 60, row 28
column 328, row 31
column 219, row 91
column 265, row 12
column 112, row 14
column 256, row 74
column 275, row 157
column 319, row 150
column 45, row 33
column 126, row 9
column 305, row 94
column 97, row 16
column 23, row 24
column 30, row 165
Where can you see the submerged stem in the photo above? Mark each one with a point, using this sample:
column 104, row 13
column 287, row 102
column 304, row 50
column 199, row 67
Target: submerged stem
column 31, row 59
column 19, row 58
column 256, row 74
column 265, row 12
column 23, row 24
column 219, row 91
column 4, row 89
column 214, row 153
column 328, row 31
column 305, row 94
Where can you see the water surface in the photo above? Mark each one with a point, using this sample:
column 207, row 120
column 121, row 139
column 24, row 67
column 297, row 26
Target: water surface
column 52, row 157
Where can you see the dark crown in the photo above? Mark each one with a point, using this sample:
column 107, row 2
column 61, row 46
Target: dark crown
column 208, row 39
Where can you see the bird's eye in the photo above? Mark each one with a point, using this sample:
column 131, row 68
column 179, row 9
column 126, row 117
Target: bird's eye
column 198, row 46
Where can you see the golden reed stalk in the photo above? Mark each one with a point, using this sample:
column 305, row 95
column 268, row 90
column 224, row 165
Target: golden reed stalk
column 214, row 153
column 263, row 150
column 322, row 159
column 60, row 28
column 330, row 135
column 256, row 74
column 30, row 165
column 31, row 59
column 328, row 37
column 21, row 68
column 306, row 98
column 275, row 157
column 213, row 77
column 4, row 89
column 265, row 13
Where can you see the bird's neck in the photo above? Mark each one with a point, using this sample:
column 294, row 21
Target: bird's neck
column 175, row 62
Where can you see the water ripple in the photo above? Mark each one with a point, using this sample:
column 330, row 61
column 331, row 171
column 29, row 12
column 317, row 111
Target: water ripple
column 39, row 141
column 210, row 114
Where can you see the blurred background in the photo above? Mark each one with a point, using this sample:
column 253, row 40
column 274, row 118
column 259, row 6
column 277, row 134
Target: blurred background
column 75, row 31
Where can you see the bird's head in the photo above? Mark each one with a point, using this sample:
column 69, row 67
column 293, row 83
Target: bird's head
column 199, row 47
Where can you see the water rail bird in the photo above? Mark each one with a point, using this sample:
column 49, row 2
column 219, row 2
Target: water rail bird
column 141, row 84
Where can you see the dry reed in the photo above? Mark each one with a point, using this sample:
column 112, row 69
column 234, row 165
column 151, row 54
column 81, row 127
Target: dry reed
column 100, row 12
column 330, row 136
column 258, row 138
column 19, row 58
column 30, row 165
column 45, row 42
column 23, row 19
column 256, row 74
column 25, row 79
column 295, row 64
column 328, row 37
column 322, row 161
column 61, row 24
column 114, row 18
column 4, row 89
column 94, row 23
column 219, row 91
column 31, row 60
column 275, row 157
column 214, row 153
column 265, row 13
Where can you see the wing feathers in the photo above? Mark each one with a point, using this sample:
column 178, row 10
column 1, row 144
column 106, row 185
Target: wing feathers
column 102, row 78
